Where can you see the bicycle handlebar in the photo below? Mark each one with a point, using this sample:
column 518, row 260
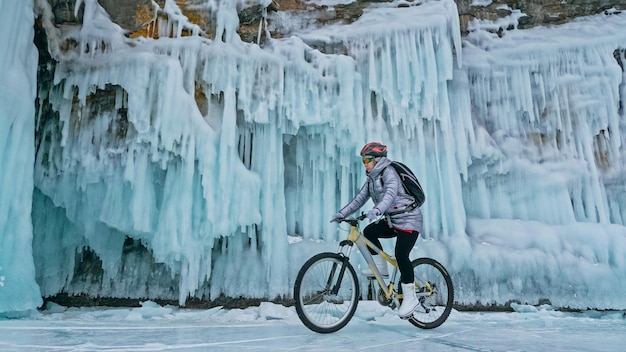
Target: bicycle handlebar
column 354, row 221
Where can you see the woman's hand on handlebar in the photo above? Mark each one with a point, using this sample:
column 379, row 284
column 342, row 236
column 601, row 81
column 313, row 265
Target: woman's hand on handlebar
column 337, row 218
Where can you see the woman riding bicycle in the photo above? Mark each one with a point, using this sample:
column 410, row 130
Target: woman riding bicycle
column 403, row 218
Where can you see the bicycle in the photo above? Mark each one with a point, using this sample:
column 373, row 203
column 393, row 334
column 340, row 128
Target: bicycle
column 326, row 289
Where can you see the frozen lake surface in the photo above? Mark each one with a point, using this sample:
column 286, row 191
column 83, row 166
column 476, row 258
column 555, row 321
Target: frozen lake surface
column 272, row 327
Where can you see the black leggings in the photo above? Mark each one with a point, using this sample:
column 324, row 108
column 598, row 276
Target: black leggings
column 404, row 243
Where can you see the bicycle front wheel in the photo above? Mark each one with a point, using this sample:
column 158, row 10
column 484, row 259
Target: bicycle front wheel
column 326, row 292
column 433, row 288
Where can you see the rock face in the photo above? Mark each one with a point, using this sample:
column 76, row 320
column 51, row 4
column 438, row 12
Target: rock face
column 136, row 16
column 538, row 12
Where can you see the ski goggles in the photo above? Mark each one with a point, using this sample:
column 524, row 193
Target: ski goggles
column 368, row 160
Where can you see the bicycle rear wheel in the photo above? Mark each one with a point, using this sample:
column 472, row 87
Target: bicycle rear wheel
column 326, row 292
column 434, row 290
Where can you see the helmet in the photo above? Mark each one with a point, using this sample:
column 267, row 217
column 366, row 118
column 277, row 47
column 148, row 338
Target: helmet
column 374, row 149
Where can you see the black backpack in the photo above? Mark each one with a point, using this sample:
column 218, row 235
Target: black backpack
column 411, row 185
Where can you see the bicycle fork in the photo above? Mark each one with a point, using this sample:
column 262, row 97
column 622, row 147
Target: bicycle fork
column 335, row 289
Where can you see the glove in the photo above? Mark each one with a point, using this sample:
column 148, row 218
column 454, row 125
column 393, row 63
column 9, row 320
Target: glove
column 336, row 217
column 373, row 213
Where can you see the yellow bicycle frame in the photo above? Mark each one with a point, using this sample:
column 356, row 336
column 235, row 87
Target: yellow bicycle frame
column 355, row 236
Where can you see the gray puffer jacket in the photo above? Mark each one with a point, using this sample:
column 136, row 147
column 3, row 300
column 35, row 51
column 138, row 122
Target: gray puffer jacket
column 385, row 188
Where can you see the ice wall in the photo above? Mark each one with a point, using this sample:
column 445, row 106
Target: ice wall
column 198, row 167
column 151, row 167
column 545, row 187
column 213, row 184
column 405, row 68
column 552, row 102
column 18, row 68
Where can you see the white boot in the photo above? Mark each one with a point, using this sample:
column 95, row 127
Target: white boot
column 409, row 302
column 381, row 265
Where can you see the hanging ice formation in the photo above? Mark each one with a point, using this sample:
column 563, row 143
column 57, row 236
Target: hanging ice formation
column 555, row 111
column 213, row 189
column 212, row 154
column 18, row 69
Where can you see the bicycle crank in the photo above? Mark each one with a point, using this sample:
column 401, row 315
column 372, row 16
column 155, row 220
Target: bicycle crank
column 384, row 301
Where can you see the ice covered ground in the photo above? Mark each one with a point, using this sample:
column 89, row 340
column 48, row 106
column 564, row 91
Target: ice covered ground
column 272, row 327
